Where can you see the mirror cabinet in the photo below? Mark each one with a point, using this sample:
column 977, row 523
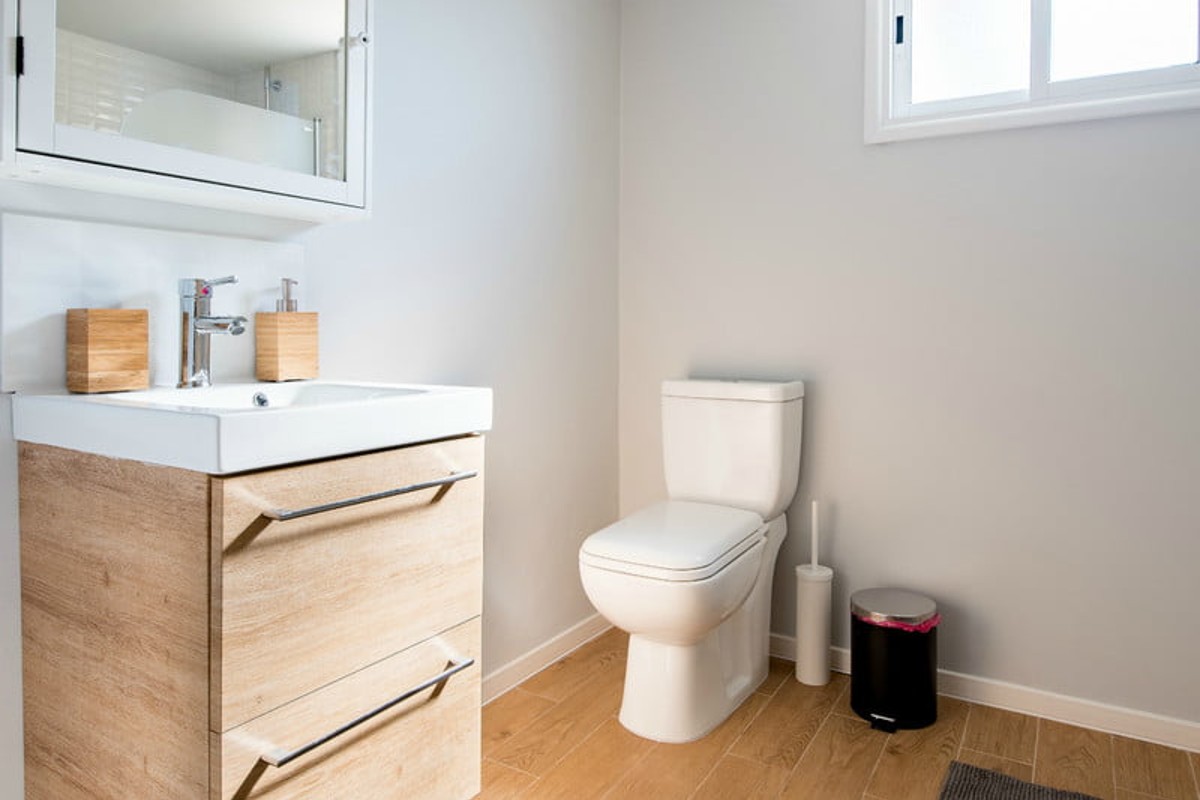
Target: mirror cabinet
column 259, row 106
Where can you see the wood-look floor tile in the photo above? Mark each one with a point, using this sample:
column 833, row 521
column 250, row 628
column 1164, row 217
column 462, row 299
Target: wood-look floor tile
column 1073, row 758
column 1152, row 769
column 503, row 783
column 564, row 677
column 784, row 728
column 676, row 770
column 1013, row 769
column 1001, row 733
column 594, row 767
column 779, row 671
column 737, row 778
column 1125, row 794
column 842, row 706
column 537, row 747
column 509, row 713
column 914, row 762
column 578, row 748
column 838, row 763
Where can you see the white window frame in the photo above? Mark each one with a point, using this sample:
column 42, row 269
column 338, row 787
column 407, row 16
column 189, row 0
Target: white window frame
column 888, row 116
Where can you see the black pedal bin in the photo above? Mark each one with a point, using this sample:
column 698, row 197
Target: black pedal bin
column 893, row 658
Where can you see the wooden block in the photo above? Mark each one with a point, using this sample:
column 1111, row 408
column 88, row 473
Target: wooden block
column 108, row 349
column 286, row 345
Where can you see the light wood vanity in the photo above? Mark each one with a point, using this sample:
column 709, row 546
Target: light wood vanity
column 184, row 632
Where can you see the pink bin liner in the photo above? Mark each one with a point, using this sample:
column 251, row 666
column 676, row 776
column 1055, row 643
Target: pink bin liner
column 922, row 627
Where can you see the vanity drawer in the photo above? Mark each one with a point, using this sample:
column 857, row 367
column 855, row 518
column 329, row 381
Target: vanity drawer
column 424, row 747
column 299, row 603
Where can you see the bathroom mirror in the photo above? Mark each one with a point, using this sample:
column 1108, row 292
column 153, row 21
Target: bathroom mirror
column 265, row 94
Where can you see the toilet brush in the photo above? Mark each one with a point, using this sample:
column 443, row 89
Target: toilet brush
column 814, row 602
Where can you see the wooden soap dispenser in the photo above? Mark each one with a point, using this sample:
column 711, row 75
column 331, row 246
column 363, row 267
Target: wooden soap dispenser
column 285, row 340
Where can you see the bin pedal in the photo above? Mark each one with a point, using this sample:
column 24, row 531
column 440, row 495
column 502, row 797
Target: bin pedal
column 882, row 723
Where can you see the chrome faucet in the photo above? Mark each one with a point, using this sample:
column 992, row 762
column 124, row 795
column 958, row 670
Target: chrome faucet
column 197, row 325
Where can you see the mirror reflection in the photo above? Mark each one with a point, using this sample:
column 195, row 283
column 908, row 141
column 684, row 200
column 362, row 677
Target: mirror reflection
column 261, row 81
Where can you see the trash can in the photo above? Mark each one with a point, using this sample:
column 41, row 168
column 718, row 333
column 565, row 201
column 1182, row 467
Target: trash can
column 893, row 658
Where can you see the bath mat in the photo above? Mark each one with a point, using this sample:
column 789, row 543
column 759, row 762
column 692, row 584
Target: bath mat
column 968, row 782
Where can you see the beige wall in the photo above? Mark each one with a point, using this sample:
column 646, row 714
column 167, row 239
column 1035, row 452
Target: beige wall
column 999, row 334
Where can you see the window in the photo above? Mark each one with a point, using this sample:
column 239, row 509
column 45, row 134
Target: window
column 955, row 66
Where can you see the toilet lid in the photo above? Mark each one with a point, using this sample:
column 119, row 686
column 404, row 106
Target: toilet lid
column 676, row 540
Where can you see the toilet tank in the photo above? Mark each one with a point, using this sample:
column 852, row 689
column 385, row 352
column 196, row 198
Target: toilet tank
column 733, row 443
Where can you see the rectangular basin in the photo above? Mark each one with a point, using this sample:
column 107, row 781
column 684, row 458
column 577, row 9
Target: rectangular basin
column 247, row 426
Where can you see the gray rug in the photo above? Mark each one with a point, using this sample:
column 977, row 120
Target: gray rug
column 968, row 782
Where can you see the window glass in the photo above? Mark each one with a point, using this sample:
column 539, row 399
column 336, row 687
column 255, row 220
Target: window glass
column 966, row 48
column 1089, row 38
column 939, row 67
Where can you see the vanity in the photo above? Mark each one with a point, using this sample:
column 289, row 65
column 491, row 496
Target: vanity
column 252, row 591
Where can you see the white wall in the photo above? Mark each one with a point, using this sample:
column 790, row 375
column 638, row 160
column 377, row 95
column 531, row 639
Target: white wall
column 998, row 333
column 49, row 265
column 490, row 259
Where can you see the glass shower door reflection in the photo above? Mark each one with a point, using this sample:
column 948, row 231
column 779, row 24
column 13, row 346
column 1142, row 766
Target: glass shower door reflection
column 260, row 82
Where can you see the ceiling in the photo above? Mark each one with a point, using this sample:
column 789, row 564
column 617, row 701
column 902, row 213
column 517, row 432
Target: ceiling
column 225, row 36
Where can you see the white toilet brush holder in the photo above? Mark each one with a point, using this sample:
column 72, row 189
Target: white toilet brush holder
column 814, row 607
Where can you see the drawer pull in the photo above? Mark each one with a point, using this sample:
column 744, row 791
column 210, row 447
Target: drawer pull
column 281, row 757
column 283, row 515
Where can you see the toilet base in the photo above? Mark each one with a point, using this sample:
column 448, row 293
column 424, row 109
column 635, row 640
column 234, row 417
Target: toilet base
column 677, row 693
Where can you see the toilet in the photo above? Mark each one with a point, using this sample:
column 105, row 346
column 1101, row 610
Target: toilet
column 690, row 578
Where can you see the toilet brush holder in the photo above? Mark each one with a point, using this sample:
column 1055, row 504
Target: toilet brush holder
column 814, row 605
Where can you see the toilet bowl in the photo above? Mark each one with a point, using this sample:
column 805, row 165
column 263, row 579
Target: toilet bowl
column 690, row 578
column 695, row 650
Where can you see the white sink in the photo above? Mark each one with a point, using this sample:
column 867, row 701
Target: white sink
column 245, row 426
column 248, row 396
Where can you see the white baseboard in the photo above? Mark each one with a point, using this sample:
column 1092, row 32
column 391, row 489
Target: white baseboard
column 524, row 667
column 785, row 647
column 1061, row 708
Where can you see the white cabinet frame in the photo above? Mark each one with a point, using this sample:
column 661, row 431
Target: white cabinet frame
column 37, row 149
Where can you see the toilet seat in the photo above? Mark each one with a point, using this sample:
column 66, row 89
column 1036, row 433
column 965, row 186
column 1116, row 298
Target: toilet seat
column 676, row 540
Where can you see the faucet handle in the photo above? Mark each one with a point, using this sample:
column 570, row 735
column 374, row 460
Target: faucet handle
column 202, row 287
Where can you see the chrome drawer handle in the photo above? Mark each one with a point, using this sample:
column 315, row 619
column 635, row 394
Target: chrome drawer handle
column 283, row 515
column 281, row 757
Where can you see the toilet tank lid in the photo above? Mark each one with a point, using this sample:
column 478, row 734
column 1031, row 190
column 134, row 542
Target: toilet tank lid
column 761, row 391
column 676, row 539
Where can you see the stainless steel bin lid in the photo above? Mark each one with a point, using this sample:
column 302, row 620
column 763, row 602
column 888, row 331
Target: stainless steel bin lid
column 883, row 606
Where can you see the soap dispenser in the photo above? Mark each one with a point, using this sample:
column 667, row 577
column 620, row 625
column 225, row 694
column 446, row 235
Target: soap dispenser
column 286, row 341
column 286, row 302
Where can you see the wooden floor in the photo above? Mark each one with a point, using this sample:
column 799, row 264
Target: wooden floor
column 557, row 735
